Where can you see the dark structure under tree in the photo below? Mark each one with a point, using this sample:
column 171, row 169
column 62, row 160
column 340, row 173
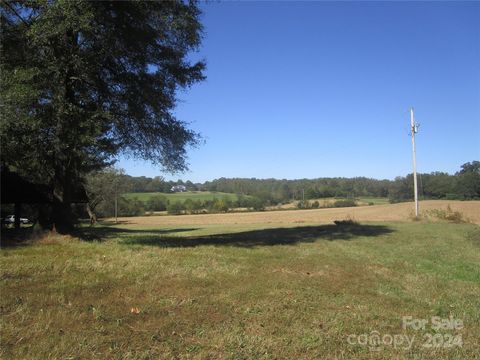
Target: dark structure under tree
column 17, row 190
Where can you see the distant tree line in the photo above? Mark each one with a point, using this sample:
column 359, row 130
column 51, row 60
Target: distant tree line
column 273, row 191
column 463, row 185
column 155, row 184
column 436, row 185
column 256, row 194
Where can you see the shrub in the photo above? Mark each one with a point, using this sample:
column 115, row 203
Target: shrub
column 451, row 196
column 346, row 222
column 242, row 201
column 157, row 203
column 193, row 206
column 257, row 204
column 175, row 208
column 448, row 215
column 303, row 204
column 220, row 205
column 344, row 203
column 130, row 207
column 315, row 204
column 197, row 206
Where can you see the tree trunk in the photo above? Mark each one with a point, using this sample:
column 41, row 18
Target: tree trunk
column 91, row 214
column 62, row 215
column 44, row 216
column 64, row 146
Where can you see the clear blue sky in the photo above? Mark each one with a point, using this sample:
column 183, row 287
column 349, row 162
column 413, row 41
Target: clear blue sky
column 323, row 89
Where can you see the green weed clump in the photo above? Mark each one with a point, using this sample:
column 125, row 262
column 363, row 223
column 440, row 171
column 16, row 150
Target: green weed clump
column 346, row 222
column 448, row 215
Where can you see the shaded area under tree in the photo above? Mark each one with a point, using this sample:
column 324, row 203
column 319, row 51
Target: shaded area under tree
column 18, row 190
column 262, row 237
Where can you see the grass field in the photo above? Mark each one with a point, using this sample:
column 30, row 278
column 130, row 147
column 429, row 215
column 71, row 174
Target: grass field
column 372, row 200
column 388, row 212
column 270, row 289
column 182, row 196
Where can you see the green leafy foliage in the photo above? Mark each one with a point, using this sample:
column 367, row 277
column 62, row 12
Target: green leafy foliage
column 82, row 81
column 129, row 207
column 175, row 208
column 102, row 188
column 157, row 203
column 344, row 203
column 464, row 185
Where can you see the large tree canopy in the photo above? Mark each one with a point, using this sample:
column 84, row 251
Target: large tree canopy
column 82, row 81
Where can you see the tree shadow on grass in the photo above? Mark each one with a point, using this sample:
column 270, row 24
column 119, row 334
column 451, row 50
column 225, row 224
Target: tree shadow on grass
column 105, row 232
column 11, row 237
column 263, row 237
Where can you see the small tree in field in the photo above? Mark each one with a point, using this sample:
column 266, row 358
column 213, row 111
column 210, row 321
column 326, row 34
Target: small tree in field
column 103, row 189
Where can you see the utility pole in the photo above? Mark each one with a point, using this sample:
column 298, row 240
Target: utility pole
column 414, row 130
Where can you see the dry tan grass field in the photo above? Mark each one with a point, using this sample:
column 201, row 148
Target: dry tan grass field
column 388, row 212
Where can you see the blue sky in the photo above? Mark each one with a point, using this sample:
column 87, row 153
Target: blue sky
column 323, row 89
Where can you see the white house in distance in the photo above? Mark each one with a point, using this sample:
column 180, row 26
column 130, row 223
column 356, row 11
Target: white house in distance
column 178, row 188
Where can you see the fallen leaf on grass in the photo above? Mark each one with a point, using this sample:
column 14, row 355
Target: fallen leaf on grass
column 135, row 310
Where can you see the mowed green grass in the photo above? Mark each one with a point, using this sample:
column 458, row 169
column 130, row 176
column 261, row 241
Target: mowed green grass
column 373, row 200
column 182, row 196
column 241, row 292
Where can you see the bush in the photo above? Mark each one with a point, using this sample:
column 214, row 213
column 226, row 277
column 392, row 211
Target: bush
column 303, row 204
column 175, row 208
column 197, row 206
column 191, row 206
column 344, row 203
column 257, row 204
column 346, row 222
column 448, row 215
column 220, row 205
column 451, row 196
column 243, row 201
column 157, row 203
column 130, row 207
